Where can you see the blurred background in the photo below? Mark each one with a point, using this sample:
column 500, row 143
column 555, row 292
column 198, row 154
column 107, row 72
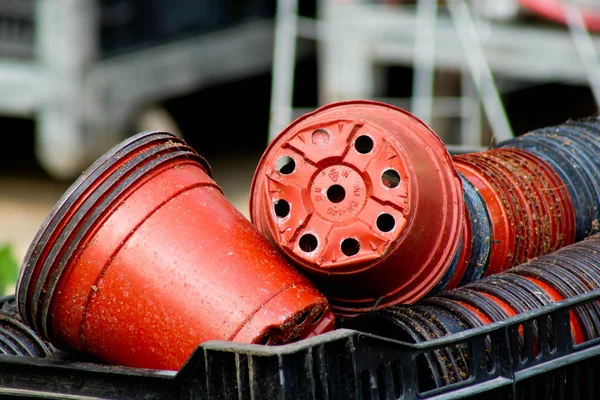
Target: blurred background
column 78, row 76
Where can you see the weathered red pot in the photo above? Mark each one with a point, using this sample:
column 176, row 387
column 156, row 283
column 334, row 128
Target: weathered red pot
column 143, row 259
column 364, row 198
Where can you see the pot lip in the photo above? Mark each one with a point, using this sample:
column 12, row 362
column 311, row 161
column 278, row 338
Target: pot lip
column 577, row 264
column 440, row 317
column 527, row 285
column 506, row 298
column 19, row 343
column 525, row 202
column 576, row 283
column 541, row 172
column 477, row 300
column 455, row 262
column 534, row 270
column 584, row 174
column 587, row 164
column 100, row 166
column 549, row 142
column 464, row 251
column 445, row 359
column 54, row 266
column 63, row 205
column 509, row 294
column 577, row 267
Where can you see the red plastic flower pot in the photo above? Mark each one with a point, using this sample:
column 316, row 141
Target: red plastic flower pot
column 143, row 259
column 364, row 198
column 555, row 11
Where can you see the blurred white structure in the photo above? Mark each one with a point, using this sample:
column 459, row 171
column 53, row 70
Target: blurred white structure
column 484, row 42
column 83, row 103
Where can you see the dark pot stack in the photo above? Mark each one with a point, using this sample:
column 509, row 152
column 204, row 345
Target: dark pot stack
column 569, row 272
column 571, row 149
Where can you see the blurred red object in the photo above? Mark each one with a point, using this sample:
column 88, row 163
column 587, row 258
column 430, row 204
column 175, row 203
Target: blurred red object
column 555, row 10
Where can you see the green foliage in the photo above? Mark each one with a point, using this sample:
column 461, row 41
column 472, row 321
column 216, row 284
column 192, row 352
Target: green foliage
column 9, row 268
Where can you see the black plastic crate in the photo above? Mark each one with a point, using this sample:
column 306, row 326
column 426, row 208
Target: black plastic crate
column 343, row 364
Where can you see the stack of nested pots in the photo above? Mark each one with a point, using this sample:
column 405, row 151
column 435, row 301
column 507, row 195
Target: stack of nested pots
column 571, row 271
column 571, row 150
column 365, row 199
column 541, row 190
column 528, row 204
column 143, row 259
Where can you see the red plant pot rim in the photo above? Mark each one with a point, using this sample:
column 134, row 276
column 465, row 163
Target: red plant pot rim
column 506, row 183
column 508, row 186
column 478, row 313
column 64, row 210
column 501, row 303
column 513, row 203
column 67, row 231
column 514, row 178
column 556, row 194
column 554, row 10
column 503, row 243
column 550, row 228
column 323, row 147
